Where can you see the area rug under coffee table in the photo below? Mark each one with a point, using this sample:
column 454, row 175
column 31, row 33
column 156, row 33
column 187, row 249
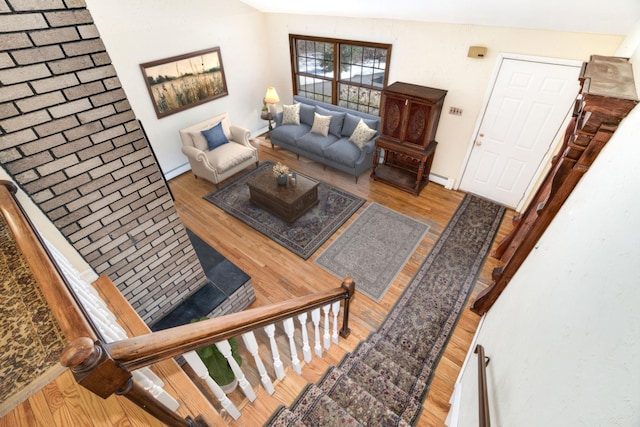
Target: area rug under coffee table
column 373, row 249
column 308, row 233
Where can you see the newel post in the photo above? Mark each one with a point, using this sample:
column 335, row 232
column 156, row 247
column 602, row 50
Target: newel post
column 95, row 370
column 350, row 286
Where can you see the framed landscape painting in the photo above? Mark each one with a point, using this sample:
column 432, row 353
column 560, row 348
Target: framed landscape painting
column 184, row 81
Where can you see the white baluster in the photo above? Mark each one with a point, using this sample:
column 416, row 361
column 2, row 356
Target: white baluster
column 200, row 369
column 335, row 309
column 277, row 363
column 306, row 350
column 107, row 323
column 289, row 328
column 252, row 345
column 157, row 391
column 315, row 318
column 327, row 335
column 225, row 349
column 151, row 375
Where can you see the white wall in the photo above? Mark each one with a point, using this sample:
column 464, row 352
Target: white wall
column 436, row 55
column 140, row 31
column 564, row 337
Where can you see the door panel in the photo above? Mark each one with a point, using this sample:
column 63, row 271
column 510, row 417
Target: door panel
column 528, row 103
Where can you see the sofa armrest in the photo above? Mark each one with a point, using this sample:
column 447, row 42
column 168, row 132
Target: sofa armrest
column 196, row 155
column 367, row 151
column 278, row 119
column 240, row 135
column 369, row 146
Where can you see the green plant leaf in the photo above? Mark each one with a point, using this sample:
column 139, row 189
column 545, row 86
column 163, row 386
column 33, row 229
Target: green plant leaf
column 215, row 361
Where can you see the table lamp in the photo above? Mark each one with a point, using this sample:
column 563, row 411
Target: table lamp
column 271, row 99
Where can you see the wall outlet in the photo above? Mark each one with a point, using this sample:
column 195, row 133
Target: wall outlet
column 455, row 111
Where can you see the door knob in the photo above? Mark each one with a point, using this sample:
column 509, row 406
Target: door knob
column 478, row 143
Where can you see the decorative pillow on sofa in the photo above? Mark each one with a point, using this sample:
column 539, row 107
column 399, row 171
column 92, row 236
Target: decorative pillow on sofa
column 351, row 121
column 361, row 134
column 291, row 114
column 321, row 124
column 336, row 119
column 215, row 136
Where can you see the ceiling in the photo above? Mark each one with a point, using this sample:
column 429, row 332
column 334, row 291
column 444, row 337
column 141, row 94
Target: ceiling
column 590, row 16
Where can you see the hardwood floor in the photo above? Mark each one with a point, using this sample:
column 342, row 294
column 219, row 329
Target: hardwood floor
column 278, row 274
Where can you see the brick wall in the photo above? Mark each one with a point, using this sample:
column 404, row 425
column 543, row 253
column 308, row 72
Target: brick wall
column 70, row 139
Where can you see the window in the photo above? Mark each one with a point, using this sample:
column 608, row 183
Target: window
column 347, row 73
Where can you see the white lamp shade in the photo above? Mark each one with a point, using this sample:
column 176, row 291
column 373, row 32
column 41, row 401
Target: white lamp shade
column 272, row 96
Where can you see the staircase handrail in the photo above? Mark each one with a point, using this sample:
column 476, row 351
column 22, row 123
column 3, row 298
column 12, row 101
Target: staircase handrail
column 484, row 419
column 143, row 350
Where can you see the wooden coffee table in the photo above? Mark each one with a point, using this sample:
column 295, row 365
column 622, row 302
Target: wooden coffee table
column 287, row 202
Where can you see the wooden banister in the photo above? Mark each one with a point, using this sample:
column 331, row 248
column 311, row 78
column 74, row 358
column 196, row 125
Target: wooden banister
column 144, row 350
column 68, row 313
column 484, row 420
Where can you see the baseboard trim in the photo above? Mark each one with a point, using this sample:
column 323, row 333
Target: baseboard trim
column 177, row 171
column 444, row 181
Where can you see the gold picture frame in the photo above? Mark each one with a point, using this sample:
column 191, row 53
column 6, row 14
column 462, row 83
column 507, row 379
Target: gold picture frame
column 184, row 81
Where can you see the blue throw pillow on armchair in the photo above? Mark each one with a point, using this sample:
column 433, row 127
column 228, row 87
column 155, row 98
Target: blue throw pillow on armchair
column 215, row 136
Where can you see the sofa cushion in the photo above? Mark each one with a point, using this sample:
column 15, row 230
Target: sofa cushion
column 199, row 141
column 314, row 143
column 336, row 120
column 351, row 122
column 342, row 151
column 321, row 124
column 215, row 136
column 195, row 132
column 362, row 134
column 306, row 114
column 229, row 155
column 288, row 134
column 291, row 114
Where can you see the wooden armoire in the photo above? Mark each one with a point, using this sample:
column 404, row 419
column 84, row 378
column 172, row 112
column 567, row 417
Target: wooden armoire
column 406, row 146
column 606, row 96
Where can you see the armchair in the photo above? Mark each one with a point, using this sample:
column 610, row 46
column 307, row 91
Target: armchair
column 223, row 161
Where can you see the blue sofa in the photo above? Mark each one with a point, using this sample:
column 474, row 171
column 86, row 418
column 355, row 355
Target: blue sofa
column 335, row 149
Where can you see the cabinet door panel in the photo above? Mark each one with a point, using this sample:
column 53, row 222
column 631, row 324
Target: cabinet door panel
column 418, row 124
column 392, row 123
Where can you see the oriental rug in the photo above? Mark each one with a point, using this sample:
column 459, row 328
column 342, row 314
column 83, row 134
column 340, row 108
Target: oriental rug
column 386, row 379
column 32, row 341
column 308, row 233
column 373, row 249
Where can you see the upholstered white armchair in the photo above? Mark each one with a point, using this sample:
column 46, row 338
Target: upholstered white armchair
column 210, row 156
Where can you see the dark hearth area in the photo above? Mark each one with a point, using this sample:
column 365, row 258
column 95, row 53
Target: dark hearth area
column 227, row 289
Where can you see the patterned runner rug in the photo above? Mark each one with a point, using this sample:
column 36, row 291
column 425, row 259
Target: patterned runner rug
column 385, row 380
column 308, row 233
column 32, row 341
column 373, row 249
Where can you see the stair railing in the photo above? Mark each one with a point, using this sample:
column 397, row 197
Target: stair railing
column 139, row 351
column 484, row 420
column 322, row 342
column 106, row 368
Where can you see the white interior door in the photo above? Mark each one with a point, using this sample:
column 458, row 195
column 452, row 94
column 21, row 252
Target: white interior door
column 528, row 103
